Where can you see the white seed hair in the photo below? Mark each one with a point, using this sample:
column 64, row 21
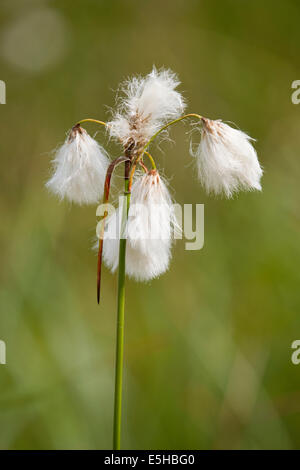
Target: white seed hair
column 227, row 161
column 148, row 103
column 80, row 166
column 149, row 230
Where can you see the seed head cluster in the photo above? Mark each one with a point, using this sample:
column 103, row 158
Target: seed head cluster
column 226, row 163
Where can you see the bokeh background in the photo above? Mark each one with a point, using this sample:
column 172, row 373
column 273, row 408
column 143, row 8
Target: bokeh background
column 208, row 345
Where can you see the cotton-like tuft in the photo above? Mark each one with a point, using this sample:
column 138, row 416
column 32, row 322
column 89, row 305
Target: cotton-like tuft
column 149, row 230
column 227, row 161
column 147, row 104
column 80, row 166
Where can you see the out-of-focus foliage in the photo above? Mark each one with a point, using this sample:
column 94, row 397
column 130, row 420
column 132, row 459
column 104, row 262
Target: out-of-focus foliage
column 208, row 346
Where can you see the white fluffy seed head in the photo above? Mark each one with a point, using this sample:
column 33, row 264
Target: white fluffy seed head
column 80, row 166
column 147, row 104
column 149, row 230
column 227, row 161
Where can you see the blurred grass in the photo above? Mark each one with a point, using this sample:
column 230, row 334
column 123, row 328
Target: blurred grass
column 207, row 345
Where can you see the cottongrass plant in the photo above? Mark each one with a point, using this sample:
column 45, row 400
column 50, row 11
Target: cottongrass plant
column 137, row 238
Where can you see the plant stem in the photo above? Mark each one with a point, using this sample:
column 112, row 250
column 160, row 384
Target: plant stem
column 108, row 176
column 92, row 120
column 120, row 321
column 151, row 159
column 191, row 115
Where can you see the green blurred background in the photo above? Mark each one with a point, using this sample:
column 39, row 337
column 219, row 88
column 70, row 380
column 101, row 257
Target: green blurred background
column 208, row 345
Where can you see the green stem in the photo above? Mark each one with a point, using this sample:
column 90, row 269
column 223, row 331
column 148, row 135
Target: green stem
column 120, row 323
column 92, row 120
column 151, row 159
column 191, row 115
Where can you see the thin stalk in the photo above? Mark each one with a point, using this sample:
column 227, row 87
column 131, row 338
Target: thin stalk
column 92, row 120
column 109, row 172
column 191, row 115
column 151, row 159
column 120, row 321
column 145, row 169
column 137, row 160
